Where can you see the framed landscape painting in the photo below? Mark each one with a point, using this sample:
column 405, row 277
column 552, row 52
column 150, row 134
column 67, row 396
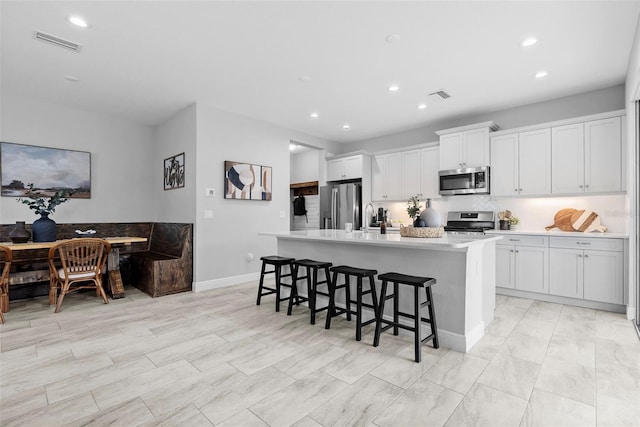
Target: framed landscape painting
column 48, row 169
column 245, row 181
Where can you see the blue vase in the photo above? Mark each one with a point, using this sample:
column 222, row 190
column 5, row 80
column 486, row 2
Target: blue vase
column 431, row 216
column 44, row 229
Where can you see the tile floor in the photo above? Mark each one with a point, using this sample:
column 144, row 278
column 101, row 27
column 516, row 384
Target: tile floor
column 215, row 358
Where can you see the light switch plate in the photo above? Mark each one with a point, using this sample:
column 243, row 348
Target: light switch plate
column 210, row 192
column 208, row 214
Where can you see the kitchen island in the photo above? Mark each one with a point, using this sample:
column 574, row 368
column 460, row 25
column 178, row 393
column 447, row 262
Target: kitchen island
column 463, row 265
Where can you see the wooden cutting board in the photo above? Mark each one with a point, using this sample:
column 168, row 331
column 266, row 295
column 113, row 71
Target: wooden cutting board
column 562, row 220
column 586, row 221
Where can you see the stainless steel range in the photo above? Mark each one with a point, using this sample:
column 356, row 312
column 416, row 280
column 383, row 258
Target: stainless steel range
column 469, row 222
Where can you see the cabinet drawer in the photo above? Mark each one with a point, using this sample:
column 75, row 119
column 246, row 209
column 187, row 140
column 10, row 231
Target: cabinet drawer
column 521, row 240
column 596, row 244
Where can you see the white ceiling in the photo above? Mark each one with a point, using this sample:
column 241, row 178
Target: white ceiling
column 145, row 60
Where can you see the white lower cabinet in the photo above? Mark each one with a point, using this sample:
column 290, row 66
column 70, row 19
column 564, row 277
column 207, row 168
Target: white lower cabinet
column 594, row 274
column 522, row 263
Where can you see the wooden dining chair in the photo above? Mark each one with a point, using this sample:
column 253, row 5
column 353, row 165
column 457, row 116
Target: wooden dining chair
column 5, row 265
column 82, row 261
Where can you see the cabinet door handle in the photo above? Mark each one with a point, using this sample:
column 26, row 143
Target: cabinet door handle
column 579, row 256
column 520, row 189
column 514, row 240
column 579, row 186
column 517, row 251
column 515, row 189
column 586, row 186
column 583, row 243
column 586, row 256
column 511, row 250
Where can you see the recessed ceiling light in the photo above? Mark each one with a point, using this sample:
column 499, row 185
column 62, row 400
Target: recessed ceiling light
column 529, row 41
column 292, row 147
column 78, row 21
column 394, row 88
column 392, row 38
column 541, row 74
column 346, row 126
column 304, row 79
column 71, row 78
column 422, row 106
column 313, row 115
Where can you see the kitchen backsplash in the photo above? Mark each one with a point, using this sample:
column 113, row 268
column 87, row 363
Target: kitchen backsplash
column 534, row 213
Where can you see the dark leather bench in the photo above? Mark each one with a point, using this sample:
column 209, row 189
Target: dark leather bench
column 167, row 266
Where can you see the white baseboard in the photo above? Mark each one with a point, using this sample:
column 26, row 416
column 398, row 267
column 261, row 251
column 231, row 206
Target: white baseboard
column 225, row 282
column 616, row 308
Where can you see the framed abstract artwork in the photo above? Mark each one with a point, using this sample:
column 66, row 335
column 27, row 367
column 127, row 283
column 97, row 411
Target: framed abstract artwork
column 245, row 181
column 174, row 172
column 48, row 169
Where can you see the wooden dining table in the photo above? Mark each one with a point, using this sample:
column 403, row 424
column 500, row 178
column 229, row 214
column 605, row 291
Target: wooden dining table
column 113, row 261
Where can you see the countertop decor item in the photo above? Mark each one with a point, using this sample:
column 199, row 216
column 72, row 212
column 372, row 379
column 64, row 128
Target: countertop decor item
column 562, row 220
column 513, row 222
column 586, row 221
column 430, row 216
column 507, row 220
column 413, row 209
column 421, row 231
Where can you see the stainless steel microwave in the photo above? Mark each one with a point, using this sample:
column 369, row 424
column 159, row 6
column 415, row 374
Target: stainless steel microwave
column 464, row 181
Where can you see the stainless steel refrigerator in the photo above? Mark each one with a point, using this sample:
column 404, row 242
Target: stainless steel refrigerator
column 339, row 204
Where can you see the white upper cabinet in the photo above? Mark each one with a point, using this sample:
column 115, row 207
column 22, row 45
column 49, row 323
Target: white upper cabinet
column 451, row 156
column 410, row 174
column 535, row 162
column 603, row 155
column 386, row 177
column 465, row 147
column 400, row 175
column 429, row 166
column 521, row 164
column 567, row 159
column 587, row 157
column 345, row 168
column 475, row 146
column 504, row 165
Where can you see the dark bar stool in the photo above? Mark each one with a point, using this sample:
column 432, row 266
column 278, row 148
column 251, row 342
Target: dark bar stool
column 311, row 269
column 359, row 274
column 277, row 262
column 417, row 283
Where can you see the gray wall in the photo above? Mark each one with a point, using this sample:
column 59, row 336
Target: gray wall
column 583, row 104
column 224, row 242
column 122, row 175
column 177, row 135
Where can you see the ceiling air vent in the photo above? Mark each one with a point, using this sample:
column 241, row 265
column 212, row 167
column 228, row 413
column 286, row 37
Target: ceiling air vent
column 442, row 94
column 56, row 41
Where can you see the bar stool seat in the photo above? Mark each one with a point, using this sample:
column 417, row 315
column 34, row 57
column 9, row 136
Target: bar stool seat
column 311, row 275
column 277, row 262
column 359, row 274
column 417, row 283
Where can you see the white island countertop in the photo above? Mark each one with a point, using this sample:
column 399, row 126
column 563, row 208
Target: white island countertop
column 447, row 242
